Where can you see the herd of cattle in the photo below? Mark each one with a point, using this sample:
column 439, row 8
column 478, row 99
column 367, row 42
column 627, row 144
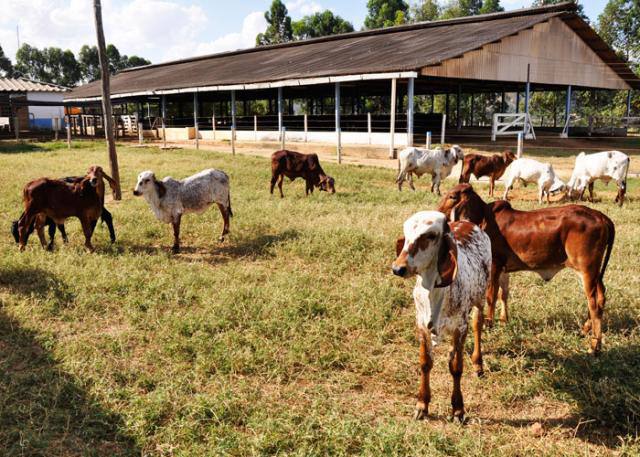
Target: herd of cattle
column 461, row 254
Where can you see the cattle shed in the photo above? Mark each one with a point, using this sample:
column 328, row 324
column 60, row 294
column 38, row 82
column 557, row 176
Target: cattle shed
column 384, row 87
column 27, row 105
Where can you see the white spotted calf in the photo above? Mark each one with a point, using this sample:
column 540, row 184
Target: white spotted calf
column 436, row 162
column 452, row 264
column 170, row 199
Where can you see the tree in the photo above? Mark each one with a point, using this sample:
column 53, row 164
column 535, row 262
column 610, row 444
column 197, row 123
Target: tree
column 30, row 63
column 279, row 25
column 89, row 63
column 491, row 6
column 581, row 12
column 320, row 24
column 6, row 69
column 135, row 61
column 619, row 25
column 386, row 13
column 426, row 10
column 51, row 65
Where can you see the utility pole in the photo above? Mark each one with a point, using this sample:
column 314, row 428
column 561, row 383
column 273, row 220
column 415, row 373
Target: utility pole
column 106, row 100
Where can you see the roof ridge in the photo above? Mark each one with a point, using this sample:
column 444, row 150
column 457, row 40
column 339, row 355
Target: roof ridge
column 567, row 6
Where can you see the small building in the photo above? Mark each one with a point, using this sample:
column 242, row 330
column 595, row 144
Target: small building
column 375, row 86
column 31, row 104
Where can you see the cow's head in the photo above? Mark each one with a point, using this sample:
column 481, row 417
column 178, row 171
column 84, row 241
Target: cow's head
column 427, row 246
column 148, row 184
column 327, row 184
column 454, row 154
column 463, row 203
column 508, row 157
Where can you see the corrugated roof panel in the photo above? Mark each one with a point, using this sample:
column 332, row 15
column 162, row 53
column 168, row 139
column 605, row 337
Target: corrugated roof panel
column 26, row 85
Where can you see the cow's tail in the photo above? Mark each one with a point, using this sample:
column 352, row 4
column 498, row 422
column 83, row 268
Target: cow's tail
column 229, row 204
column 611, row 229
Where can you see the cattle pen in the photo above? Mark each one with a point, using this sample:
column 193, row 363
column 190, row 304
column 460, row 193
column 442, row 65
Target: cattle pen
column 386, row 88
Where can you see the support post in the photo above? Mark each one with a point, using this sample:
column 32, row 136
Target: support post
column 16, row 124
column 369, row 126
column 306, row 127
column 520, row 144
column 163, row 105
column 233, row 140
column 444, row 130
column 233, row 111
column 283, row 136
column 447, row 106
column 280, row 110
column 458, row 118
column 410, row 108
column 527, row 94
column 503, row 103
column 629, row 103
column 140, row 132
column 213, row 122
column 392, row 127
column 567, row 109
column 337, row 115
column 195, row 119
column 518, row 102
column 255, row 127
column 433, row 103
column 68, row 121
column 428, row 144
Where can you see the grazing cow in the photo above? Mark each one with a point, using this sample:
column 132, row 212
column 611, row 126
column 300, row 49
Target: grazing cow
column 297, row 165
column 56, row 199
column 170, row 199
column 545, row 241
column 479, row 166
column 452, row 264
column 106, row 217
column 436, row 162
column 608, row 166
column 532, row 171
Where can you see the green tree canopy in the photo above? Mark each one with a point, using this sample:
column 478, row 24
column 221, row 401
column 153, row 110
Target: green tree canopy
column 554, row 2
column 320, row 24
column 619, row 25
column 386, row 13
column 425, row 10
column 491, row 6
column 51, row 65
column 6, row 68
column 279, row 25
column 89, row 61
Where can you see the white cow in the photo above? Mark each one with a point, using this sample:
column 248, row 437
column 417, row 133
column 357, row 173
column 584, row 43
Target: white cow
column 436, row 162
column 607, row 165
column 532, row 171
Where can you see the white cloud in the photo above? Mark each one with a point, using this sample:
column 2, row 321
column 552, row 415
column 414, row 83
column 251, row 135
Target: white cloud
column 303, row 7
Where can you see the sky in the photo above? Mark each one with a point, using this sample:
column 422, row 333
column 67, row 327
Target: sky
column 162, row 30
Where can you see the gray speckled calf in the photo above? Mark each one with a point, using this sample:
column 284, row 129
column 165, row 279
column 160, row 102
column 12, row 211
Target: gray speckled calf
column 170, row 199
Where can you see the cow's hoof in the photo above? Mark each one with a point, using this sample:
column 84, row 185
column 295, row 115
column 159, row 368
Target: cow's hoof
column 50, row 248
column 21, row 248
column 421, row 412
column 221, row 239
column 479, row 371
column 488, row 323
column 175, row 249
column 458, row 418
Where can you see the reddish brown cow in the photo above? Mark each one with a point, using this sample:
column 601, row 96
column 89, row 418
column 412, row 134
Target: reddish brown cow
column 545, row 241
column 479, row 165
column 297, row 165
column 58, row 200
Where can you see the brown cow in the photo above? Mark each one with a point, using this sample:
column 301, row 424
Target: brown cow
column 58, row 200
column 545, row 241
column 297, row 165
column 480, row 165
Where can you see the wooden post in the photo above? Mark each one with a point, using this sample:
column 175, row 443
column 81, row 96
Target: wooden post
column 106, row 100
column 392, row 127
column 338, row 127
column 518, row 102
column 520, row 144
column 283, row 139
column 164, row 122
column 233, row 110
column 443, row 130
column 68, row 120
column 503, row 102
column 306, row 128
column 527, row 94
column 195, row 120
column 629, row 103
column 428, row 145
column 213, row 122
column 433, row 103
column 233, row 140
column 255, row 127
column 410, row 94
column 369, row 126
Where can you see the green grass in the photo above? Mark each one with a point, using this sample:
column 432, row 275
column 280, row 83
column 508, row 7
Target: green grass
column 292, row 337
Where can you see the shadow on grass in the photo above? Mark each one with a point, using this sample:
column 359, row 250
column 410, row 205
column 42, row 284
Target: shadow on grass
column 43, row 410
column 19, row 148
column 35, row 281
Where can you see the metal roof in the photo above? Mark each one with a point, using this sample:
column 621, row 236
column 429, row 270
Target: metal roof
column 26, row 85
column 407, row 48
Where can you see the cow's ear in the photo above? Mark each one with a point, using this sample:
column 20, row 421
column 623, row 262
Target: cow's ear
column 447, row 259
column 399, row 245
column 160, row 188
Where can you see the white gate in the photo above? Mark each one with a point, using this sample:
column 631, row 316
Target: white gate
column 507, row 124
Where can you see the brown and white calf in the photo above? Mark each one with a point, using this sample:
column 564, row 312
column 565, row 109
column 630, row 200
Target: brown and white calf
column 545, row 241
column 452, row 264
column 479, row 165
column 294, row 165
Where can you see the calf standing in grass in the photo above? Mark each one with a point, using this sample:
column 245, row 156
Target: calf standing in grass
column 170, row 199
column 479, row 166
column 608, row 166
column 532, row 171
column 297, row 165
column 452, row 264
column 436, row 162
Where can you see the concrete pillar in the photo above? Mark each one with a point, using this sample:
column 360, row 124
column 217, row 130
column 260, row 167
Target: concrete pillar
column 410, row 108
column 392, row 126
column 527, row 94
column 567, row 109
column 280, row 110
column 163, row 107
column 195, row 119
column 338, row 128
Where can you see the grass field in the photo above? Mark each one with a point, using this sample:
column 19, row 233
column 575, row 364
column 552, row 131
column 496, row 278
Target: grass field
column 292, row 337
